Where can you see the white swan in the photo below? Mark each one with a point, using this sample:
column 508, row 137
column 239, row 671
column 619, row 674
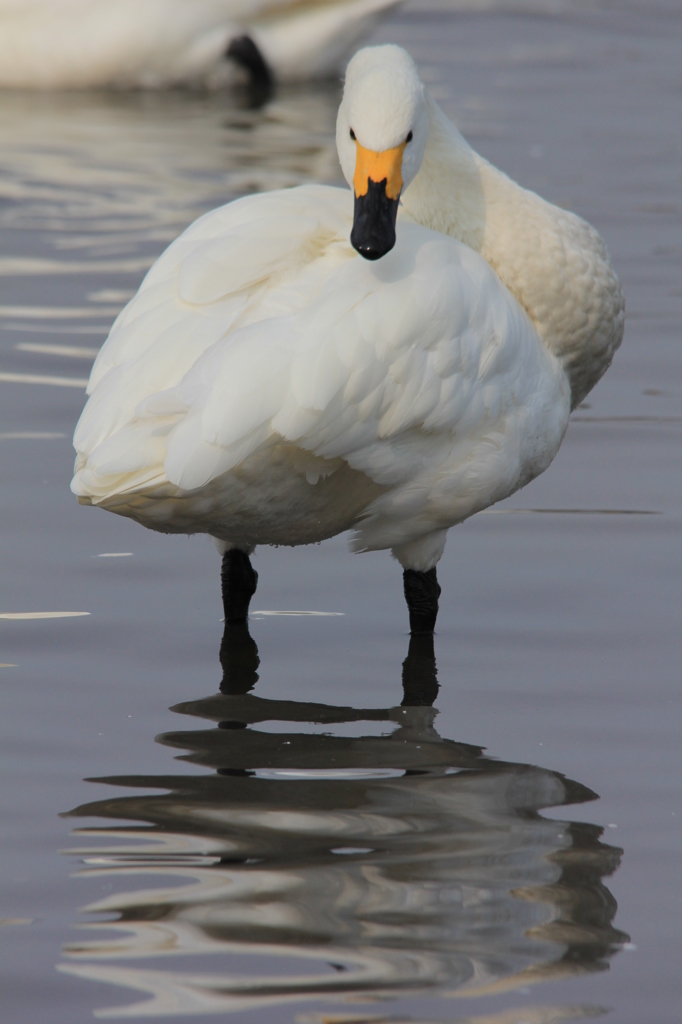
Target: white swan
column 72, row 44
column 268, row 385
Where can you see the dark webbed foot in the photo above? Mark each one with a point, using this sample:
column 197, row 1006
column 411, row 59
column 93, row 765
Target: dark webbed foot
column 421, row 593
column 239, row 580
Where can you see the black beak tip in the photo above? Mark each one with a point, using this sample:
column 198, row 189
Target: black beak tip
column 373, row 233
column 372, row 251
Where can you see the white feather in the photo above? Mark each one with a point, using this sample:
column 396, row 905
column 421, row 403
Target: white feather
column 268, row 385
column 58, row 44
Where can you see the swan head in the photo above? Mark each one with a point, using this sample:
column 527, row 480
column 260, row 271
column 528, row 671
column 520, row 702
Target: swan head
column 381, row 133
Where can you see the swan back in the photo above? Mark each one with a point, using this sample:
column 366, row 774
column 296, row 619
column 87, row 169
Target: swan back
column 553, row 262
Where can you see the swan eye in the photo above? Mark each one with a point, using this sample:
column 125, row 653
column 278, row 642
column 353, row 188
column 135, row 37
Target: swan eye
column 352, row 135
column 409, row 137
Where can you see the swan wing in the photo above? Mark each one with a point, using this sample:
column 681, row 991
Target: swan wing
column 261, row 327
column 228, row 270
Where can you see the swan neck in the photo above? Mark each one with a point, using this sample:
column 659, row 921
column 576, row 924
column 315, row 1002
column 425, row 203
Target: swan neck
column 555, row 264
column 447, row 194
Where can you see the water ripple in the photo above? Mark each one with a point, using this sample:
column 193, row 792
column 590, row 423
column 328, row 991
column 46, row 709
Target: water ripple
column 308, row 866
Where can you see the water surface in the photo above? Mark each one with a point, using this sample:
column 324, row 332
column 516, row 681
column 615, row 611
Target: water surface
column 352, row 829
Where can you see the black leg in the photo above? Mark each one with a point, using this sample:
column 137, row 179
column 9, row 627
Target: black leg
column 239, row 580
column 239, row 660
column 420, row 677
column 421, row 593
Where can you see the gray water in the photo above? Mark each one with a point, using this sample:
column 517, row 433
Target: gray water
column 325, row 845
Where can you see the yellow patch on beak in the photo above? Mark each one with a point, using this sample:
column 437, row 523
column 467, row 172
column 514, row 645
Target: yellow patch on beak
column 379, row 167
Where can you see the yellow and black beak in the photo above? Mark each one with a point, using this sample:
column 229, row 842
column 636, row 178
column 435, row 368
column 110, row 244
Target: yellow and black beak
column 377, row 184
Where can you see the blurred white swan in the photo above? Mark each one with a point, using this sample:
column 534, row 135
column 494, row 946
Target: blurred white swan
column 71, row 44
column 268, row 385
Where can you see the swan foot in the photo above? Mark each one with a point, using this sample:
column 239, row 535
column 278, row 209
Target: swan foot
column 421, row 593
column 239, row 580
column 244, row 52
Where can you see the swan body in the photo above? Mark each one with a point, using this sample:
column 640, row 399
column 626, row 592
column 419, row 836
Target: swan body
column 268, row 385
column 72, row 44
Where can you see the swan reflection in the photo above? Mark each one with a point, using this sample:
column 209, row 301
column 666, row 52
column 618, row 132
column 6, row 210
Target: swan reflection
column 358, row 854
